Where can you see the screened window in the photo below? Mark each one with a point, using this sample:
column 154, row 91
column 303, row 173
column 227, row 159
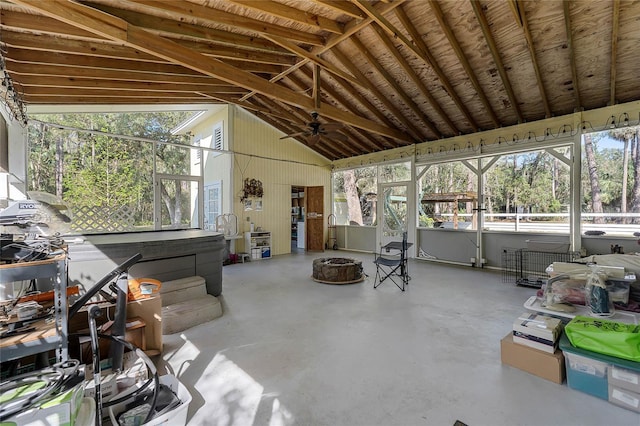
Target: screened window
column 611, row 182
column 528, row 192
column 447, row 196
column 355, row 196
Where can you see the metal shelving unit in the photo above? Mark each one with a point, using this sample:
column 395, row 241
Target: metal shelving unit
column 47, row 335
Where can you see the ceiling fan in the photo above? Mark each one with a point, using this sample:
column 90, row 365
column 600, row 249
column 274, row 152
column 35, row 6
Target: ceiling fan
column 316, row 130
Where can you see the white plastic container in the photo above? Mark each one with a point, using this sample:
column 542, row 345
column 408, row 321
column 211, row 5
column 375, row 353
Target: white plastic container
column 177, row 416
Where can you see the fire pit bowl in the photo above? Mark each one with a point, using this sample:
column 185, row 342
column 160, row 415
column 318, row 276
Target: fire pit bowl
column 337, row 270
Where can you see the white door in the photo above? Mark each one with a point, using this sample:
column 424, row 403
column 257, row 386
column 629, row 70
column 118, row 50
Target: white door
column 394, row 211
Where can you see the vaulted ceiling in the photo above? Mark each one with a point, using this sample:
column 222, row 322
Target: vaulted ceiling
column 386, row 73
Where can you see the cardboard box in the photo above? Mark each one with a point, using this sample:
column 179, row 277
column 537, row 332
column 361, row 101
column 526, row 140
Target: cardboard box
column 541, row 326
column 534, row 342
column 548, row 366
column 150, row 310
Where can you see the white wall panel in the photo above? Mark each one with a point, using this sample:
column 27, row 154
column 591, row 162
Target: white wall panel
column 278, row 164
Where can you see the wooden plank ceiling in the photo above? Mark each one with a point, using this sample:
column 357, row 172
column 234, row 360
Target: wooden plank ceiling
column 385, row 73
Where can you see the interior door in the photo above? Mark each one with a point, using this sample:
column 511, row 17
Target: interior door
column 315, row 218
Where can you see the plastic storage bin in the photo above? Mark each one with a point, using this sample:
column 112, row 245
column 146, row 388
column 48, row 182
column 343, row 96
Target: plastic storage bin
column 589, row 372
column 177, row 416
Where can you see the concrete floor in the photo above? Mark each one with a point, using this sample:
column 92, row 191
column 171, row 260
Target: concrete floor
column 291, row 351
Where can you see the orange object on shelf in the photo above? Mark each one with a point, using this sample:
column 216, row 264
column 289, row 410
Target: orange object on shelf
column 48, row 295
column 143, row 288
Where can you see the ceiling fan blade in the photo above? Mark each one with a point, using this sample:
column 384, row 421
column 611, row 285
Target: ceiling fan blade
column 313, row 139
column 295, row 135
column 330, row 127
column 337, row 136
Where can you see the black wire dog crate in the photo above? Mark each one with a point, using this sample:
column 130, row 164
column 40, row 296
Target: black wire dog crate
column 529, row 267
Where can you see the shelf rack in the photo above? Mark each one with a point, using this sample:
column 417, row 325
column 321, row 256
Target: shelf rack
column 47, row 335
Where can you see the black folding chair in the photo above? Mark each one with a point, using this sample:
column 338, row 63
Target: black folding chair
column 391, row 263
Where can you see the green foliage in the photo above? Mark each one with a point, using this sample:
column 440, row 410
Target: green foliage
column 100, row 170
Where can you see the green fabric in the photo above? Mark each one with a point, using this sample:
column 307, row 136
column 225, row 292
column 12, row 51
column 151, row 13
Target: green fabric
column 605, row 337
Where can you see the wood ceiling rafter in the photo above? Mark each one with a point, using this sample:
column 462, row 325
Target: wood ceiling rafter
column 76, row 100
column 343, row 6
column 30, row 55
column 357, row 97
column 97, row 47
column 228, row 100
column 117, row 29
column 453, row 41
column 423, row 52
column 173, row 28
column 351, row 28
column 614, row 51
column 157, row 73
column 411, row 128
column 399, row 91
column 572, row 57
column 292, row 14
column 486, row 32
column 100, row 93
column 419, row 48
column 206, row 14
column 311, row 57
column 517, row 8
column 408, row 70
column 19, row 20
column 401, row 116
column 90, row 83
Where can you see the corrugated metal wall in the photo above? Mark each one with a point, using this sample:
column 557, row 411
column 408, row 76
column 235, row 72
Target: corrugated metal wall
column 278, row 164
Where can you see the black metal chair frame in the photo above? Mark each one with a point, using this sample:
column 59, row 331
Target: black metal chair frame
column 393, row 266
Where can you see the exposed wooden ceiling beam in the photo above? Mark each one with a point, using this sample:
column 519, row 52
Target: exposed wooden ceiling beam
column 346, row 62
column 572, row 55
column 311, row 57
column 55, row 58
column 408, row 70
column 173, row 27
column 116, row 29
column 293, row 14
column 158, row 73
column 99, row 93
column 437, row 11
column 400, row 92
column 21, row 21
column 54, row 44
column 486, row 32
column 206, row 14
column 614, row 50
column 342, row 6
column 521, row 19
column 418, row 47
column 89, row 83
column 115, row 100
column 351, row 28
column 64, row 80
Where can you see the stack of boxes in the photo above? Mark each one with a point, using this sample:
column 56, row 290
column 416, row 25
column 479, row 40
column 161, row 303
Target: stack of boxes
column 537, row 331
column 614, row 379
column 532, row 346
